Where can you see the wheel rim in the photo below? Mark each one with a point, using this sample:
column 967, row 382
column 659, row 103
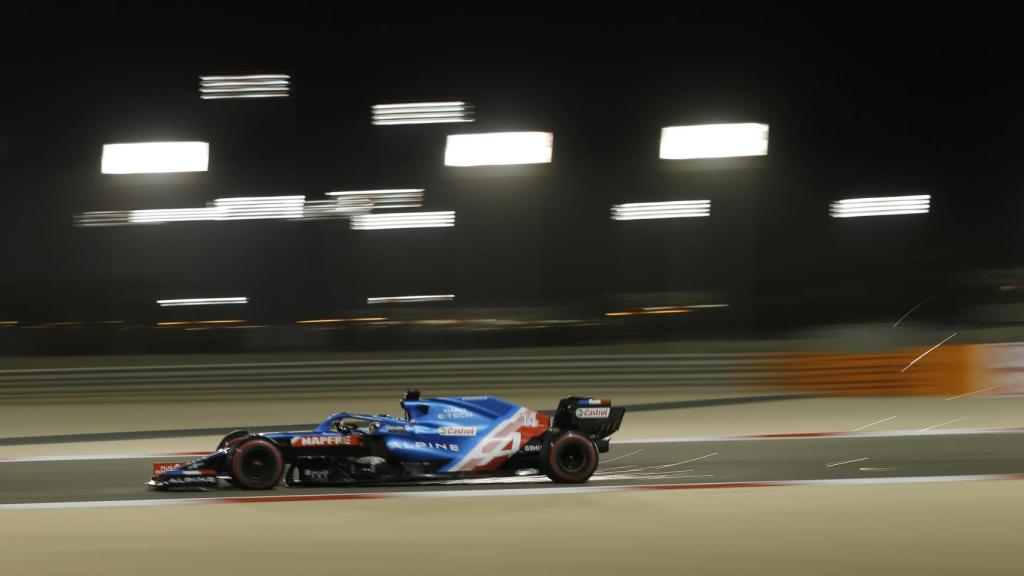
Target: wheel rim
column 572, row 458
column 257, row 466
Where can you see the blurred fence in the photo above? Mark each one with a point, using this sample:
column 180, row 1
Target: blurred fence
column 949, row 370
column 568, row 373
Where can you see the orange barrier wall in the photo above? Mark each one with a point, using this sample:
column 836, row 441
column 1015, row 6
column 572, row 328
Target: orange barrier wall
column 947, row 370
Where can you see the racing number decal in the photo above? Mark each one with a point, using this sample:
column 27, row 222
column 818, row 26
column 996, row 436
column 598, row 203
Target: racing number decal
column 503, row 441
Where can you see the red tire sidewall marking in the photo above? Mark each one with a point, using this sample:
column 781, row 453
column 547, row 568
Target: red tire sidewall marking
column 239, row 456
column 556, row 446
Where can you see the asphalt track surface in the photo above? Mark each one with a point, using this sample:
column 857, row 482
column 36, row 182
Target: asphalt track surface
column 634, row 463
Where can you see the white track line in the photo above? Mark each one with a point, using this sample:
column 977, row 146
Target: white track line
column 926, row 352
column 695, row 459
column 670, row 475
column 942, row 424
column 873, row 423
column 661, row 466
column 655, row 466
column 622, row 468
column 975, row 392
column 911, row 311
column 621, row 457
column 562, row 490
column 844, row 462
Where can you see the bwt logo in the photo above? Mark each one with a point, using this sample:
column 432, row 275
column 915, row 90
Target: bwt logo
column 457, row 431
column 454, row 414
column 593, row 412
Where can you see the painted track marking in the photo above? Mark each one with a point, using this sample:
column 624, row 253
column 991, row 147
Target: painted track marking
column 493, row 493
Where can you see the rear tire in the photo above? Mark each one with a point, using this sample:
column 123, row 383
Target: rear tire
column 256, row 465
column 569, row 458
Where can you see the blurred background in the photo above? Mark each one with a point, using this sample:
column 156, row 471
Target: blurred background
column 855, row 104
column 786, row 239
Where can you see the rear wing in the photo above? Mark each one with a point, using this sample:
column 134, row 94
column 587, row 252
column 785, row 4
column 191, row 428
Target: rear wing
column 596, row 419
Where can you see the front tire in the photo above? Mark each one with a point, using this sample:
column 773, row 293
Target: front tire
column 569, row 458
column 256, row 465
column 233, row 438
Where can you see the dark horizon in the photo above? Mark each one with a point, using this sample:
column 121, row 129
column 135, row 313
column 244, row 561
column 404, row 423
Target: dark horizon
column 858, row 105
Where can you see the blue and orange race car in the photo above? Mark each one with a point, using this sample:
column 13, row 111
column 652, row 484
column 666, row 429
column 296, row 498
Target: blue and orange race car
column 439, row 438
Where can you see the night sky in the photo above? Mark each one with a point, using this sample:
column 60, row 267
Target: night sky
column 861, row 102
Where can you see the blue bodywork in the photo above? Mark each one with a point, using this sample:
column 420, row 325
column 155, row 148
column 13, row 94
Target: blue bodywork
column 440, row 429
column 436, row 429
column 438, row 439
column 441, row 435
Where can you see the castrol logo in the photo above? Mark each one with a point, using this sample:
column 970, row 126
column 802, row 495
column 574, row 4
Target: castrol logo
column 457, row 431
column 593, row 412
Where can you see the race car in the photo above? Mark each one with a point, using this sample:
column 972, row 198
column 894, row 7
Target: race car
column 439, row 439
